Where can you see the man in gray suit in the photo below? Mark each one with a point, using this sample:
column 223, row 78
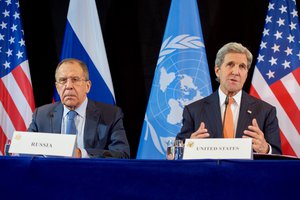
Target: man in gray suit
column 99, row 127
column 251, row 117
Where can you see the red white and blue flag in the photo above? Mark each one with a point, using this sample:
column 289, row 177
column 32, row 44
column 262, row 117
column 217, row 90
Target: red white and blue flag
column 276, row 76
column 83, row 40
column 16, row 94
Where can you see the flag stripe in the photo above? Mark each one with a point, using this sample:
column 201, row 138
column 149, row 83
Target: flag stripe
column 24, row 85
column 290, row 82
column 6, row 123
column 287, row 103
column 288, row 150
column 25, row 68
column 296, row 74
column 254, row 92
column 19, row 100
column 286, row 126
column 10, row 107
column 2, row 138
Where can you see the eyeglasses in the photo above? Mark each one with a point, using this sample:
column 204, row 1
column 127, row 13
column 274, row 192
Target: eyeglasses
column 75, row 80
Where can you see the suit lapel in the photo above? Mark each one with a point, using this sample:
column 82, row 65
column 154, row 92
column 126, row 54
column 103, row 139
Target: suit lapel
column 213, row 116
column 91, row 121
column 245, row 115
column 55, row 118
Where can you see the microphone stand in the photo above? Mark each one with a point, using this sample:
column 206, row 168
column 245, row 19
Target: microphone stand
column 51, row 123
column 226, row 104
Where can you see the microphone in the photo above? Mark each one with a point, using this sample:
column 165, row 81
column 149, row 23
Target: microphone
column 226, row 104
column 51, row 124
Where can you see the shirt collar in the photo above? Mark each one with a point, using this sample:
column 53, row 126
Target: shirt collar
column 237, row 98
column 81, row 110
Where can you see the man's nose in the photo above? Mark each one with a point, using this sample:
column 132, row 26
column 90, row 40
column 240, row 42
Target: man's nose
column 69, row 83
column 235, row 70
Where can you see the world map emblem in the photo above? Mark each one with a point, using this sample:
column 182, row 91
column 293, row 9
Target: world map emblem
column 182, row 77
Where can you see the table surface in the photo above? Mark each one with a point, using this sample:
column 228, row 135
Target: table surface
column 69, row 178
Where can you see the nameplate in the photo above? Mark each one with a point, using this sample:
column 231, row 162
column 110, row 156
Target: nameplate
column 42, row 144
column 237, row 148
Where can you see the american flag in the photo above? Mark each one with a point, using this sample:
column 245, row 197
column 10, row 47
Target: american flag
column 16, row 95
column 277, row 73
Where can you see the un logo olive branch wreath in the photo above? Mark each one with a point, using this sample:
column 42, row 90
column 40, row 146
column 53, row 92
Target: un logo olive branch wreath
column 184, row 41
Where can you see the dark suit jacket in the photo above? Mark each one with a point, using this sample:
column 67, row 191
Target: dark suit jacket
column 207, row 110
column 104, row 133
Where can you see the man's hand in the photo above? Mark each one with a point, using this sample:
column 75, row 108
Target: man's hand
column 259, row 144
column 201, row 132
column 77, row 153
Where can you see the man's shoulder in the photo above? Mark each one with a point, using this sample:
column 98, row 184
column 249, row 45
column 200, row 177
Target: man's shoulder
column 97, row 105
column 205, row 100
column 49, row 106
column 253, row 99
column 106, row 112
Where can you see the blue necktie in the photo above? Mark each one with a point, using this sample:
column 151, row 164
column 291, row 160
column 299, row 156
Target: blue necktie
column 71, row 128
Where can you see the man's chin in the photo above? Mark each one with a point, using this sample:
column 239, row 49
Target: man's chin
column 234, row 91
column 70, row 103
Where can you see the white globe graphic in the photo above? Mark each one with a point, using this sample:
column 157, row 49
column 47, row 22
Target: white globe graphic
column 180, row 83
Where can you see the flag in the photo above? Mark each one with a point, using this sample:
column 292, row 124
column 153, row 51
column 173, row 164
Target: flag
column 181, row 77
column 277, row 72
column 16, row 94
column 83, row 40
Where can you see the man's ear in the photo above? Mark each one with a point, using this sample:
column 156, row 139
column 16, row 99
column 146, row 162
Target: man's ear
column 88, row 86
column 217, row 69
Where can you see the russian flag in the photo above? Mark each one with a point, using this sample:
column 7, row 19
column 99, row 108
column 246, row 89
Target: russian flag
column 83, row 40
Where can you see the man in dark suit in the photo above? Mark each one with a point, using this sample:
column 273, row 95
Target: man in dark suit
column 99, row 127
column 251, row 117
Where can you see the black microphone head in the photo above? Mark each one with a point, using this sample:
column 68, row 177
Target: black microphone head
column 226, row 100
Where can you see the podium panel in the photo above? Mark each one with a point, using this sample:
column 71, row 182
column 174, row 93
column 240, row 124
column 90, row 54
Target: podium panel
column 69, row 178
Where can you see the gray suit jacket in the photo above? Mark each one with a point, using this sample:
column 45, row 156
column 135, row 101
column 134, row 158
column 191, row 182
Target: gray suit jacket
column 104, row 133
column 207, row 110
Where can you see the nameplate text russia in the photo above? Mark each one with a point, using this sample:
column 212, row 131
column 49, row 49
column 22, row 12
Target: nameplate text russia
column 42, row 144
